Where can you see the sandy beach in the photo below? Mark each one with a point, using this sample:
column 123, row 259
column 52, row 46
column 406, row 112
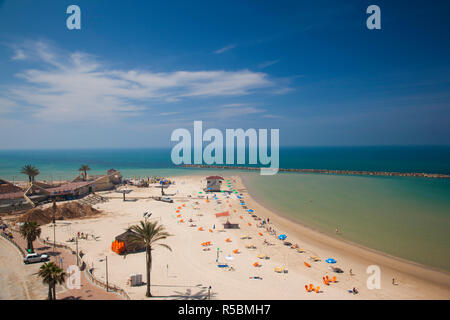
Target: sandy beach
column 188, row 270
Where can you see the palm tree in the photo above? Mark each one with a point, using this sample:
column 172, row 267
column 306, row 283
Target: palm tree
column 30, row 171
column 30, row 231
column 84, row 168
column 147, row 234
column 51, row 275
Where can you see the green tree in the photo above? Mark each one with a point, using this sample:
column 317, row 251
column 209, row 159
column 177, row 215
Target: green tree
column 51, row 275
column 84, row 168
column 30, row 171
column 147, row 234
column 30, row 231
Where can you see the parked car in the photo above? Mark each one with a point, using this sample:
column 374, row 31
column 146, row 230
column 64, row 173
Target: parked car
column 166, row 199
column 35, row 257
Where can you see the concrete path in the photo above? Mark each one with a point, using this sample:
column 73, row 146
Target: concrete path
column 17, row 280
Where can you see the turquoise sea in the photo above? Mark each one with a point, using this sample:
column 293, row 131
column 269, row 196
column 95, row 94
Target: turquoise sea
column 403, row 216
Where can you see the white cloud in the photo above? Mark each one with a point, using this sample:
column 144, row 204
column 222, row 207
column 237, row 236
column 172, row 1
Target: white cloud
column 267, row 64
column 76, row 87
column 224, row 49
column 19, row 55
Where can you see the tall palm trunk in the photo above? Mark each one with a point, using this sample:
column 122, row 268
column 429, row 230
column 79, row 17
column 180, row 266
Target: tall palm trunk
column 54, row 291
column 30, row 245
column 50, row 294
column 149, row 267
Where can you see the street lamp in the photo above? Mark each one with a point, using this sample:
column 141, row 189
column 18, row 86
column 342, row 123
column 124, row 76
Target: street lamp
column 54, row 225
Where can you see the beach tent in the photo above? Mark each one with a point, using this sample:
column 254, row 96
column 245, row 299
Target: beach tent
column 330, row 260
column 282, row 236
column 129, row 247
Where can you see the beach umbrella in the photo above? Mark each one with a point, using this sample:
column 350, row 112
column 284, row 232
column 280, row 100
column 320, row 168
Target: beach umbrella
column 200, row 192
column 229, row 258
column 282, row 236
column 250, row 210
column 330, row 260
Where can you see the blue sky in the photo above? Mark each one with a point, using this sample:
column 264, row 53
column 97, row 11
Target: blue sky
column 138, row 70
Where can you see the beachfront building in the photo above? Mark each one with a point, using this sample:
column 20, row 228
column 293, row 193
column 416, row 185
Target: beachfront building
column 12, row 197
column 213, row 183
column 102, row 182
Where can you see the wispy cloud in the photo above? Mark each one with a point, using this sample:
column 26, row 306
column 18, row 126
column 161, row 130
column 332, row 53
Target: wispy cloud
column 164, row 114
column 267, row 64
column 226, row 48
column 19, row 55
column 77, row 87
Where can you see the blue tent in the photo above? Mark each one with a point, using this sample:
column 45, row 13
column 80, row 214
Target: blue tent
column 282, row 236
column 330, row 260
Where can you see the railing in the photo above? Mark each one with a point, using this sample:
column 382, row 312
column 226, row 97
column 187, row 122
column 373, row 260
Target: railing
column 88, row 273
column 14, row 243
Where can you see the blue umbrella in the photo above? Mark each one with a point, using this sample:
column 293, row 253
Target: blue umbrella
column 250, row 210
column 330, row 260
column 282, row 236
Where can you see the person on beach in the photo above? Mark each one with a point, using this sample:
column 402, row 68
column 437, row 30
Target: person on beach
column 337, row 231
column 351, row 273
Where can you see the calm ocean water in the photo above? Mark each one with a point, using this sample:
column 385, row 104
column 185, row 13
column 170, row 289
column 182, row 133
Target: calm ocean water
column 405, row 217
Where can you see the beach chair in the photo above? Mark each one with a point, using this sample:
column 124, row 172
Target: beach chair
column 200, row 229
column 300, row 250
column 307, row 264
column 261, row 256
column 279, row 269
column 306, row 288
column 227, row 240
column 334, row 279
column 314, row 258
column 317, row 289
column 236, row 251
column 256, row 264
